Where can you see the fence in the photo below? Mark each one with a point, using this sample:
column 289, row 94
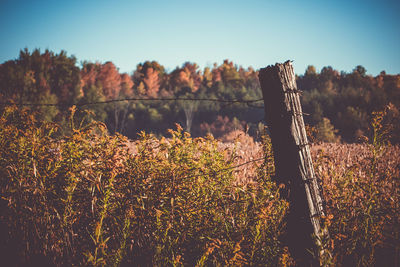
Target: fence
column 293, row 162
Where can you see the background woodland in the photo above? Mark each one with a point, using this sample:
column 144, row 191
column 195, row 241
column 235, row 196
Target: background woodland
column 340, row 104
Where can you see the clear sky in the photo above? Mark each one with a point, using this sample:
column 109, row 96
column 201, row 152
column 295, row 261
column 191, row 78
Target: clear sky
column 341, row 34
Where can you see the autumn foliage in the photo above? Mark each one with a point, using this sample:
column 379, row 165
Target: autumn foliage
column 361, row 186
column 89, row 198
column 340, row 104
column 84, row 199
column 75, row 191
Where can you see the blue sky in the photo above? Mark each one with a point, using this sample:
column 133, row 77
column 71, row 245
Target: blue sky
column 341, row 34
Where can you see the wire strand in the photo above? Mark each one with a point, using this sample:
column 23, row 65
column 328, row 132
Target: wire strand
column 232, row 101
column 218, row 171
column 223, row 170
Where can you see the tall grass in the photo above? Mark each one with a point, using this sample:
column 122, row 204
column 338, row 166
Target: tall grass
column 362, row 189
column 83, row 199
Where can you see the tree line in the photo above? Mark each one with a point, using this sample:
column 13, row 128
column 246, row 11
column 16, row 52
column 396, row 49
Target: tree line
column 340, row 104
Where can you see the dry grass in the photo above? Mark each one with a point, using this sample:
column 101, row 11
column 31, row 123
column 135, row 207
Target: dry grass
column 88, row 198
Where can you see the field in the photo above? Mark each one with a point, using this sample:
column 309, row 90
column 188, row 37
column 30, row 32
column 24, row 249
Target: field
column 84, row 197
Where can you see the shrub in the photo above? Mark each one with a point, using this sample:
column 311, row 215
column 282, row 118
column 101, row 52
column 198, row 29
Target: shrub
column 84, row 199
column 361, row 186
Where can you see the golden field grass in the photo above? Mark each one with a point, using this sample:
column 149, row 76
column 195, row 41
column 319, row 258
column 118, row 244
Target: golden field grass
column 360, row 184
column 85, row 197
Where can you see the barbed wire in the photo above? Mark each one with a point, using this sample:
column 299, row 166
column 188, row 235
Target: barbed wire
column 223, row 170
column 214, row 173
column 227, row 101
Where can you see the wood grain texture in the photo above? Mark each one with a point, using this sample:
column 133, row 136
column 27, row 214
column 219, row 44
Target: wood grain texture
column 293, row 163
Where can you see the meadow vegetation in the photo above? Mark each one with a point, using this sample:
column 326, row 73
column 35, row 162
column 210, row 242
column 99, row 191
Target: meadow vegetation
column 74, row 190
column 84, row 197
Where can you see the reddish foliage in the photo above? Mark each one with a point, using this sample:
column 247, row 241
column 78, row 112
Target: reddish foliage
column 126, row 85
column 216, row 75
column 151, row 81
column 110, row 79
column 89, row 74
column 221, row 126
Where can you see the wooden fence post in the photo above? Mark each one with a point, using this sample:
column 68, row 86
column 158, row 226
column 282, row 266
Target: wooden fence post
column 293, row 164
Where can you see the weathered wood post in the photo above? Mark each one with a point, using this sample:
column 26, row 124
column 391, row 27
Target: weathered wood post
column 293, row 163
